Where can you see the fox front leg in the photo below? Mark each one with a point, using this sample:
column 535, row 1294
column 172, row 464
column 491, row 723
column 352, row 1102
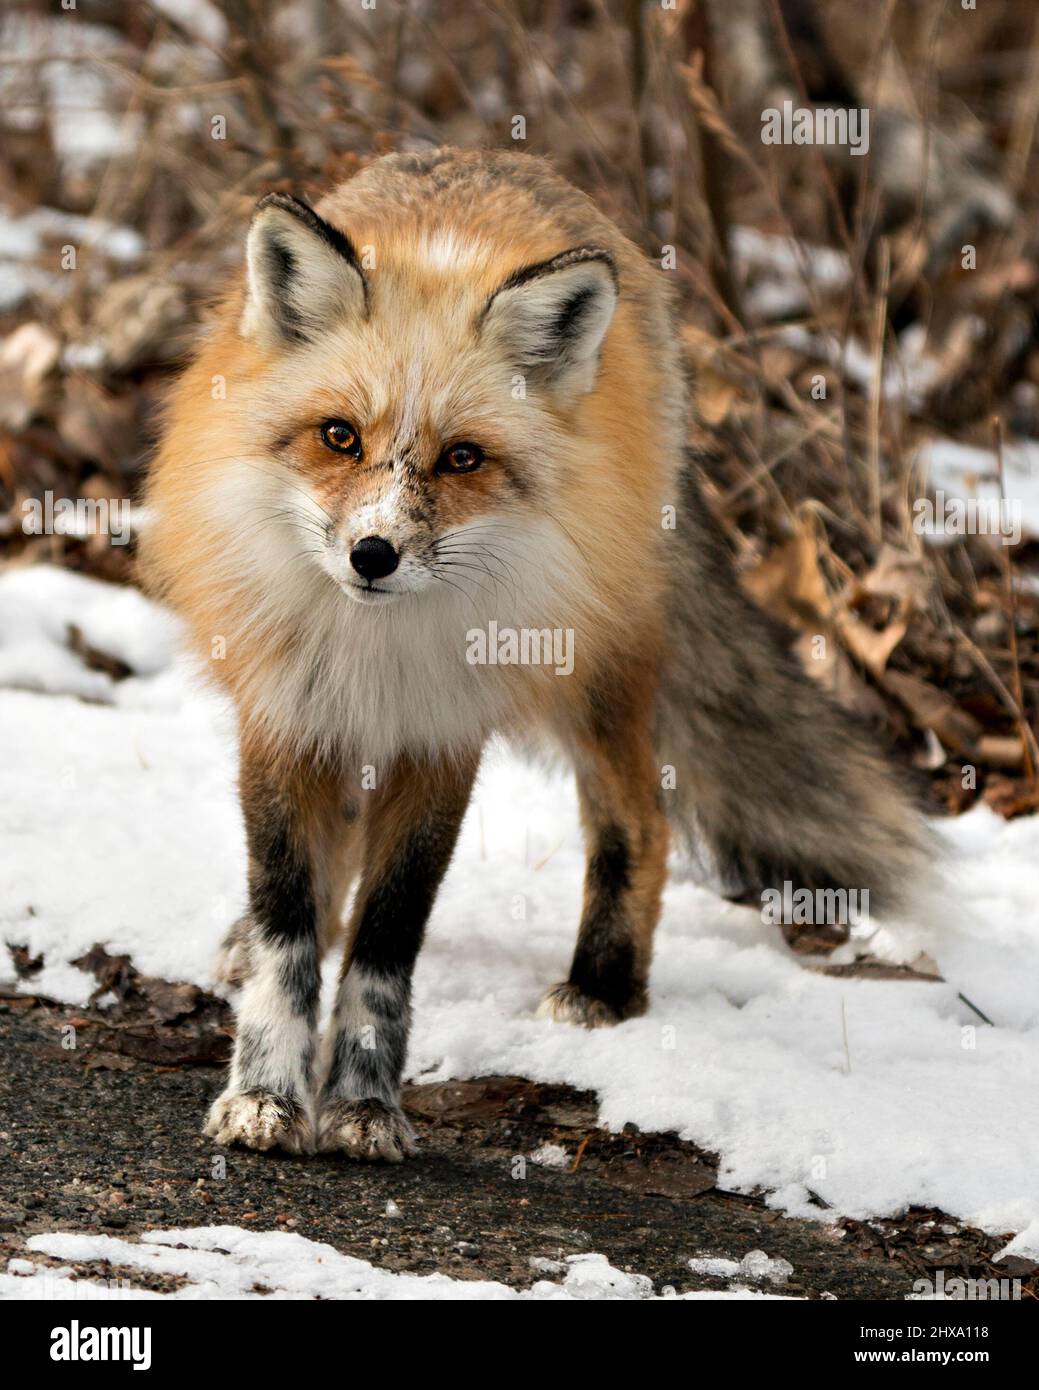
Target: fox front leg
column 411, row 825
column 297, row 824
column 626, row 834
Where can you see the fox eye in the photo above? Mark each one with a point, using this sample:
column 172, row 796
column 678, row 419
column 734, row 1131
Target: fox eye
column 460, row 458
column 341, row 436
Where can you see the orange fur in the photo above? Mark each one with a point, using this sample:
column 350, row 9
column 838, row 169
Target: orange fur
column 604, row 464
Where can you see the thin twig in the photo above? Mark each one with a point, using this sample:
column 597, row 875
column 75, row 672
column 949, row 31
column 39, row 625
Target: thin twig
column 1030, row 766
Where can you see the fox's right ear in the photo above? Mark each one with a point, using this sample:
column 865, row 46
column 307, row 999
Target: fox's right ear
column 303, row 273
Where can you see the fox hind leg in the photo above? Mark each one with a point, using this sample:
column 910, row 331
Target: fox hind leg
column 627, row 837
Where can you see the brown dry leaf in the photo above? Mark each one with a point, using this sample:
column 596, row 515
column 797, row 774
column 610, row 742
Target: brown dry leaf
column 716, row 390
column 868, row 646
column 107, row 1061
column 663, row 1175
column 28, row 356
column 898, row 574
column 871, row 968
column 950, row 792
column 169, row 1001
column 141, row 319
column 208, row 1047
column 789, row 582
column 817, row 939
column 924, row 964
column 462, row 1100
column 1005, row 750
column 99, row 424
column 715, row 396
column 1010, row 797
column 25, row 965
column 112, row 973
column 833, row 669
column 931, row 708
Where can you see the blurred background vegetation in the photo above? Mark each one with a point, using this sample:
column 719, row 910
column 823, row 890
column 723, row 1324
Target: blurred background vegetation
column 859, row 331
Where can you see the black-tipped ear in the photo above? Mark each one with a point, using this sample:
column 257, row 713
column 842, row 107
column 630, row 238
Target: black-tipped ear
column 303, row 273
column 550, row 319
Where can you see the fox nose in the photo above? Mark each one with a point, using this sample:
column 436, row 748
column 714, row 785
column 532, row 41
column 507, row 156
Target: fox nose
column 374, row 558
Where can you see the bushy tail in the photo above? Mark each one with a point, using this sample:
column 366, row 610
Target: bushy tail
column 771, row 776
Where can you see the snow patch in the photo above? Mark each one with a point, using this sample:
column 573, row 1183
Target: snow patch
column 755, row 1265
column 963, row 471
column 226, row 1262
column 551, row 1156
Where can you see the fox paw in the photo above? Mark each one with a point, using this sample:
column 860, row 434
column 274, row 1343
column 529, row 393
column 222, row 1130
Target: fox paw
column 565, row 1003
column 366, row 1129
column 259, row 1120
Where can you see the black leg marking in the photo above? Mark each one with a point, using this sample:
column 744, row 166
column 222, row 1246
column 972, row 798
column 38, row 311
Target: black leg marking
column 604, row 961
column 373, row 1012
column 360, row 1102
column 266, row 1102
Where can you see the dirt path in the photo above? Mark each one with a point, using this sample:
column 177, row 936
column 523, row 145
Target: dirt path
column 104, row 1136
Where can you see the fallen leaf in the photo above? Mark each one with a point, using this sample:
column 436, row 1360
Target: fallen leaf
column 898, row 574
column 662, row 1175
column 28, row 356
column 93, row 658
column 1005, row 750
column 832, row 667
column 868, row 646
column 714, row 396
column 107, row 1061
column 140, row 319
column 789, row 582
column 210, row 1047
column 459, row 1100
column 169, row 1001
column 870, row 968
column 931, row 708
column 1010, row 798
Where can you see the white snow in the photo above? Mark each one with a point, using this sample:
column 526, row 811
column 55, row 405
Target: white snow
column 229, row 1263
column 755, row 1265
column 75, row 60
column 906, row 376
column 782, row 271
column 121, row 827
column 198, row 17
column 23, row 240
column 963, row 471
column 551, row 1156
column 37, row 607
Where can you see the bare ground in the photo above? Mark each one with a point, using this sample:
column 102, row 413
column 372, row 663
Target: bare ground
column 104, row 1136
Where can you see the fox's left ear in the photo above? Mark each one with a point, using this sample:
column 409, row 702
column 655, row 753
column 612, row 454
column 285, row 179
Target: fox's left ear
column 551, row 318
column 303, row 273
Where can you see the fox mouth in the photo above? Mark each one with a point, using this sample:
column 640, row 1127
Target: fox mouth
column 370, row 595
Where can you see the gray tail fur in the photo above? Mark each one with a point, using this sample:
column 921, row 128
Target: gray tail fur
column 777, row 782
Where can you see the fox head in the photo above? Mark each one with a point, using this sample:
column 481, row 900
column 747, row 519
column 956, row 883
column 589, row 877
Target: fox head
column 414, row 396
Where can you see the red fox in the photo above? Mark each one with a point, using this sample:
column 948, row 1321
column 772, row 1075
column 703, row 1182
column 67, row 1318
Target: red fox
column 445, row 405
